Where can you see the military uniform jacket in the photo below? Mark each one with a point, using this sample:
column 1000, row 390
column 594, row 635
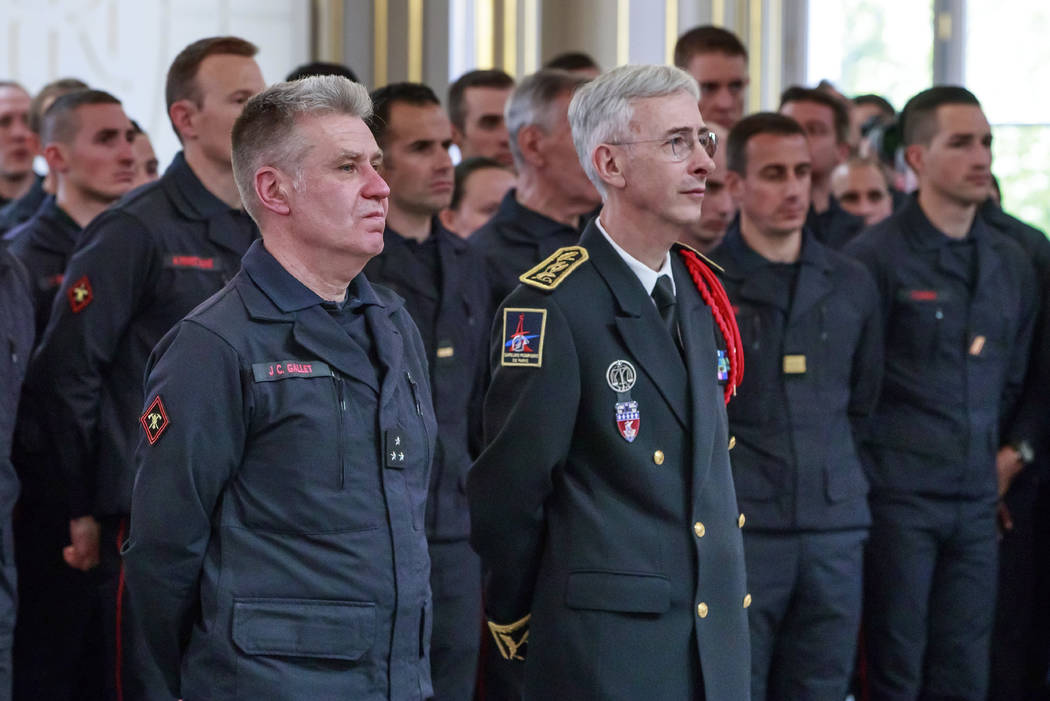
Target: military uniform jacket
column 614, row 547
column 277, row 547
column 16, row 212
column 44, row 244
column 138, row 268
column 453, row 315
column 515, row 239
column 16, row 325
column 834, row 227
column 814, row 365
column 955, row 358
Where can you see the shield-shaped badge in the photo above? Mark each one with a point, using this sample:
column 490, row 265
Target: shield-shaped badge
column 627, row 420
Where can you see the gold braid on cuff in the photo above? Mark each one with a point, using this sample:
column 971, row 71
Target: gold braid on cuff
column 512, row 637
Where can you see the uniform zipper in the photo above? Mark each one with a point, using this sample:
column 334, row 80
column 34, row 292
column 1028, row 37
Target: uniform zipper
column 341, row 400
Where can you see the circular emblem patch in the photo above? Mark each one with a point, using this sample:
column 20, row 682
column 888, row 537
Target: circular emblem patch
column 621, row 376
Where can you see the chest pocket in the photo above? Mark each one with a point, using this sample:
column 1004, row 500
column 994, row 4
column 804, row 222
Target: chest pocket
column 314, row 462
column 838, row 330
column 919, row 321
column 754, row 402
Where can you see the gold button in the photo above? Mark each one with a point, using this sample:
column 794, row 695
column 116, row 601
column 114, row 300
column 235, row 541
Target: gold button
column 699, row 529
column 732, row 442
column 740, row 521
column 747, row 601
column 658, row 457
column 701, row 610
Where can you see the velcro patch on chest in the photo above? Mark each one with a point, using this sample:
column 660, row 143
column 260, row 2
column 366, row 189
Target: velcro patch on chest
column 189, row 261
column 523, row 337
column 558, row 266
column 289, row 370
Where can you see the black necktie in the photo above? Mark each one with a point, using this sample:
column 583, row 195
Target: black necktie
column 663, row 295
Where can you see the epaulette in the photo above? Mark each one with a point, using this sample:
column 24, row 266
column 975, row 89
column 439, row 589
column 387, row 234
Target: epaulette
column 707, row 260
column 553, row 271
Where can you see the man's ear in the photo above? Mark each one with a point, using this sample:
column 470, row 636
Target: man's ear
column 457, row 136
column 914, row 156
column 271, row 188
column 608, row 162
column 735, row 184
column 448, row 220
column 56, row 157
column 529, row 137
column 182, row 113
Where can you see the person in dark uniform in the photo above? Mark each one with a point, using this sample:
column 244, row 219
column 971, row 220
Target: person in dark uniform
column 138, row 268
column 88, row 144
column 959, row 304
column 552, row 198
column 480, row 185
column 441, row 278
column 603, row 505
column 16, row 320
column 718, row 60
column 18, row 143
column 476, row 102
column 826, row 122
column 811, row 330
column 277, row 546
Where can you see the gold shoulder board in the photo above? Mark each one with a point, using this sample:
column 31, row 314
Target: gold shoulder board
column 710, row 263
column 551, row 272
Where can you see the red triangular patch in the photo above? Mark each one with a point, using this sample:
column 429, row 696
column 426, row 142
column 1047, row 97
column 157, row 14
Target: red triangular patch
column 80, row 294
column 154, row 420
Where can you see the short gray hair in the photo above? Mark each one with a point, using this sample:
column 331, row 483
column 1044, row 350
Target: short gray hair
column 531, row 103
column 601, row 111
column 265, row 132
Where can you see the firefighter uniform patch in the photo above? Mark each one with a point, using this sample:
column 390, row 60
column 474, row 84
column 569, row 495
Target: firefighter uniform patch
column 154, row 420
column 80, row 294
column 523, row 337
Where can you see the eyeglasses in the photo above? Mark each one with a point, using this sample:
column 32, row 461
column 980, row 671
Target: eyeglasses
column 680, row 146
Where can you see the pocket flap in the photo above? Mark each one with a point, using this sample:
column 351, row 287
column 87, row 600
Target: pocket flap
column 618, row 591
column 337, row 630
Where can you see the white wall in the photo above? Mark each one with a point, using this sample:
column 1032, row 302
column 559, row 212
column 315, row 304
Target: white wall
column 126, row 46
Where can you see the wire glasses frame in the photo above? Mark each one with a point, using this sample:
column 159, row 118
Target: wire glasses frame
column 681, row 145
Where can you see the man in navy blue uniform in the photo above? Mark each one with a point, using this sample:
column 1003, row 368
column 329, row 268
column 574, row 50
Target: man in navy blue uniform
column 959, row 304
column 552, row 199
column 442, row 279
column 811, row 331
column 277, row 546
column 138, row 268
column 603, row 505
column 16, row 322
column 88, row 143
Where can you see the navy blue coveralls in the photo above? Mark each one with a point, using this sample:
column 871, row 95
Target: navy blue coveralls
column 16, row 327
column 813, row 348
column 834, row 227
column 278, row 548
column 958, row 318
column 139, row 267
column 55, row 655
column 442, row 281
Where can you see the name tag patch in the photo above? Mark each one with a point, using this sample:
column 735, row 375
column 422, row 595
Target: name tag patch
column 289, row 369
column 794, row 365
column 523, row 337
column 183, row 260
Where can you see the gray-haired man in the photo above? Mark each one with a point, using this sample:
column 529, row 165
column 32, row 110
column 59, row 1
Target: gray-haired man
column 603, row 504
column 277, row 546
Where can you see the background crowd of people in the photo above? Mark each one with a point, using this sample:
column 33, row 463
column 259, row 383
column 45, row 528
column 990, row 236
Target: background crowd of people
column 888, row 442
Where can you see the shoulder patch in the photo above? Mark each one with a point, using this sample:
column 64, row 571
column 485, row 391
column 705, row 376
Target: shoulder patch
column 553, row 271
column 710, row 263
column 523, row 337
column 80, row 294
column 154, row 420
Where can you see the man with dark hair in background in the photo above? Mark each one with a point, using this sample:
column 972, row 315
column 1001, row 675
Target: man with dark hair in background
column 959, row 304
column 322, row 68
column 718, row 60
column 87, row 141
column 140, row 267
column 17, row 211
column 575, row 62
column 860, row 187
column 719, row 208
column 549, row 204
column 826, row 122
column 442, row 280
column 811, row 332
column 476, row 102
column 481, row 184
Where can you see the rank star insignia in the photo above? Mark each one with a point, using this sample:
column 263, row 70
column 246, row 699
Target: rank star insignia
column 154, row 420
column 80, row 294
column 627, row 420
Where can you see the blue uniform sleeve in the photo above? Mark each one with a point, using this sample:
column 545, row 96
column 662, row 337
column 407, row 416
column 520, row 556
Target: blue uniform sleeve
column 104, row 286
column 192, row 441
column 1022, row 406
column 529, row 416
column 868, row 358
